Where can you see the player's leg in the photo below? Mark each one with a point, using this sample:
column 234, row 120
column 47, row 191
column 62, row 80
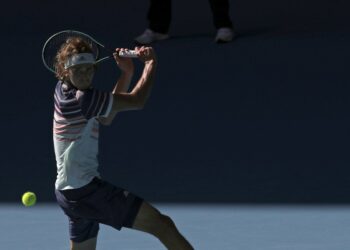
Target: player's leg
column 83, row 232
column 150, row 220
column 89, row 244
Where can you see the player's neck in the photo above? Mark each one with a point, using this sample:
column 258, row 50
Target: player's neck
column 68, row 85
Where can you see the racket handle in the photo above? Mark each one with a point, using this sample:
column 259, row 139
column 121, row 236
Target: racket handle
column 130, row 53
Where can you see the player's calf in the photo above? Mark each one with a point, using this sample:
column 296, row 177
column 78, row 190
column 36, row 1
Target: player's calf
column 150, row 220
column 170, row 236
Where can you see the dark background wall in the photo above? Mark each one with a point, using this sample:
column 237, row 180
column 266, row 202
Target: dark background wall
column 263, row 119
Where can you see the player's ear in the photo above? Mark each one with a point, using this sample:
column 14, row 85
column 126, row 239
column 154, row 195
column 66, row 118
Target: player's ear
column 66, row 74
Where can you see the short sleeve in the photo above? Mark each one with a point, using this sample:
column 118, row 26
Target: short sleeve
column 95, row 103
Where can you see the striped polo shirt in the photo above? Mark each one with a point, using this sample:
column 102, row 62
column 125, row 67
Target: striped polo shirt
column 75, row 133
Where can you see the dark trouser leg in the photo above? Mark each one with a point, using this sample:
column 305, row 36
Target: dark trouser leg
column 221, row 15
column 159, row 15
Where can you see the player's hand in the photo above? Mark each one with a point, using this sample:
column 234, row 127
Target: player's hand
column 146, row 54
column 124, row 63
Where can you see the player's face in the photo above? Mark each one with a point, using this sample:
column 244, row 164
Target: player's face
column 81, row 75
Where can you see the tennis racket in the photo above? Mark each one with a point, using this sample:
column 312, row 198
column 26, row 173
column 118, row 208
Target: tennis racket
column 54, row 43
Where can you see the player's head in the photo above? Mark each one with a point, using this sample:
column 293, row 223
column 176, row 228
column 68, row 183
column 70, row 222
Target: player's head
column 76, row 62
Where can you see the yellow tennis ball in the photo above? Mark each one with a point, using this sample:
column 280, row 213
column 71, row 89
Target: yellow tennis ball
column 28, row 199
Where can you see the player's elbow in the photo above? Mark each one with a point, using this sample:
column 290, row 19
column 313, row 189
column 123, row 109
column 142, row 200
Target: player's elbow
column 130, row 101
column 105, row 121
column 140, row 105
column 139, row 101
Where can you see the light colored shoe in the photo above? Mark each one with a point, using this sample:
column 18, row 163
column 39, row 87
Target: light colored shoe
column 224, row 35
column 149, row 36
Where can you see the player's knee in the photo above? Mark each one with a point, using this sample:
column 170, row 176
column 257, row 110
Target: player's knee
column 164, row 225
column 157, row 224
column 167, row 221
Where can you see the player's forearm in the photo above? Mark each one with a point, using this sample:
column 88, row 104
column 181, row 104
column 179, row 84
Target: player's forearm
column 123, row 83
column 143, row 88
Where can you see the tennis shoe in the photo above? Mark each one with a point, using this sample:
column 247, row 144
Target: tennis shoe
column 150, row 36
column 224, row 35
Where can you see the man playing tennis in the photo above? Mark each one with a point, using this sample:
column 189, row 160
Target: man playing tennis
column 85, row 198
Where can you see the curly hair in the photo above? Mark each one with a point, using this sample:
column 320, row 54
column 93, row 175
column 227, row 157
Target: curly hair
column 72, row 46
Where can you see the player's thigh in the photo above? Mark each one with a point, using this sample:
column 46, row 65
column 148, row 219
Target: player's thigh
column 89, row 244
column 150, row 220
column 146, row 217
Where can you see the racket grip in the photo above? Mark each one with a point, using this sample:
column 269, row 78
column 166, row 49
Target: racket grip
column 130, row 53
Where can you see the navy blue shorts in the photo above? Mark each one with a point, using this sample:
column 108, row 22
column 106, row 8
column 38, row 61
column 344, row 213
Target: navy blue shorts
column 97, row 202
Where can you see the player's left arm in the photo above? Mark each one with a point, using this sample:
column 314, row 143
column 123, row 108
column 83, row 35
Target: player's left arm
column 122, row 86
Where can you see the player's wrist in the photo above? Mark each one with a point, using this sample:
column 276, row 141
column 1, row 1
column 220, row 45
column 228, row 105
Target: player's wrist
column 128, row 72
column 151, row 61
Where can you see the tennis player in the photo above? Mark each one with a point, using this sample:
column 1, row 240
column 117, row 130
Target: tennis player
column 85, row 198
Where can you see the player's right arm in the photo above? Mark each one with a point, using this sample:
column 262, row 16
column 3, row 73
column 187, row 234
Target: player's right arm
column 138, row 96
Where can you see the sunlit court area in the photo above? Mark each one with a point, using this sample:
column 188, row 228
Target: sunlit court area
column 231, row 119
column 206, row 226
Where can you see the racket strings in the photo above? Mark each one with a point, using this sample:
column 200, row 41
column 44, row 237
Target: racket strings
column 54, row 44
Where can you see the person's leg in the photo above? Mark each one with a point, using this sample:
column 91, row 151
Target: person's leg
column 221, row 15
column 83, row 234
column 151, row 221
column 159, row 15
column 222, row 21
column 82, row 231
column 89, row 244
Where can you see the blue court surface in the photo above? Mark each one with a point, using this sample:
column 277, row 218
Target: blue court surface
column 207, row 227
